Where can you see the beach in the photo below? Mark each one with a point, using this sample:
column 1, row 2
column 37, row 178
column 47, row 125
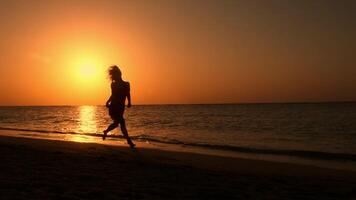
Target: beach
column 33, row 168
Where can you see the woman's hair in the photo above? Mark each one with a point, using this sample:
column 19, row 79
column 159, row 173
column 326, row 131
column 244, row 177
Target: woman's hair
column 114, row 73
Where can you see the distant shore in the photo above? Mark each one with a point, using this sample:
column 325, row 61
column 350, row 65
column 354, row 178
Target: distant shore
column 46, row 169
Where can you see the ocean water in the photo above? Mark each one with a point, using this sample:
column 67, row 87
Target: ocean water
column 325, row 131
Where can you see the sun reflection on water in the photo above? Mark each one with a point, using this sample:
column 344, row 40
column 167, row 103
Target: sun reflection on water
column 87, row 121
column 87, row 124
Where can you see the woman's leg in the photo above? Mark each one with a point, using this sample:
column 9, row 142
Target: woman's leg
column 124, row 132
column 110, row 128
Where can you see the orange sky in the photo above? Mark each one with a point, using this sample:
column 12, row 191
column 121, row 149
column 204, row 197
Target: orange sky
column 57, row 52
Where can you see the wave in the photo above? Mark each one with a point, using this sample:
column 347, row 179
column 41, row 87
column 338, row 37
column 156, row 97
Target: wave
column 279, row 152
column 58, row 132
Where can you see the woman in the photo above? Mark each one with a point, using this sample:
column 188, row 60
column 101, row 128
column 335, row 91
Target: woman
column 120, row 90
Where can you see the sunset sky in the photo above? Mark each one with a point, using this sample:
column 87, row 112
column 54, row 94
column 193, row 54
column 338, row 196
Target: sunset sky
column 57, row 52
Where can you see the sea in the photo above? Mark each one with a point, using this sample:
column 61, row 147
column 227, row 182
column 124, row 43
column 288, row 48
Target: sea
column 322, row 133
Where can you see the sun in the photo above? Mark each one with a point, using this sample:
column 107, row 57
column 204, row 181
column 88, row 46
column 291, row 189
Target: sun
column 86, row 71
column 87, row 68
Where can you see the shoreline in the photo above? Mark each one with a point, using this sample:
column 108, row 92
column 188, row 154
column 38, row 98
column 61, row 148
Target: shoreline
column 38, row 167
column 250, row 155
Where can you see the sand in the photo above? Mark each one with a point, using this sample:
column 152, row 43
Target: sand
column 50, row 169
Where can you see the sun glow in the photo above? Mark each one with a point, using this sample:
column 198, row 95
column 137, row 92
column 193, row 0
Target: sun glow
column 87, row 68
column 82, row 75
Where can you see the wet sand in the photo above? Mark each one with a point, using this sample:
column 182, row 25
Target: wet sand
column 50, row 169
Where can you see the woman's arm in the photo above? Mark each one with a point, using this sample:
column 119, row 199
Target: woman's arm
column 108, row 101
column 129, row 96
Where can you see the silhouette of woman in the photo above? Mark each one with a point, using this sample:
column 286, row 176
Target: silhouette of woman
column 120, row 90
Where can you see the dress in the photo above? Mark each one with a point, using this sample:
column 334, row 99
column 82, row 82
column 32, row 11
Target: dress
column 119, row 92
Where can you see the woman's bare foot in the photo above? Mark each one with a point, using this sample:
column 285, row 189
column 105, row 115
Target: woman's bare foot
column 104, row 135
column 132, row 145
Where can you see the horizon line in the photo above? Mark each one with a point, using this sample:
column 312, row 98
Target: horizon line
column 172, row 104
